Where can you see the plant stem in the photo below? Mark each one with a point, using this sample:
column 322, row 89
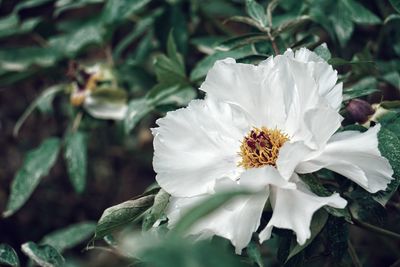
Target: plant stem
column 77, row 121
column 376, row 229
column 270, row 9
column 353, row 255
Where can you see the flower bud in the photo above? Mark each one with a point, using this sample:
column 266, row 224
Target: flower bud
column 359, row 110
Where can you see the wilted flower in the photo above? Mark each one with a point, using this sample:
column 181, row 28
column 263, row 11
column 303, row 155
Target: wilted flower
column 258, row 128
column 95, row 89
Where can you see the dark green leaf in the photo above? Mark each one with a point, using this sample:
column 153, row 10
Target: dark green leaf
column 70, row 236
column 395, row 4
column 389, row 146
column 8, row 256
column 318, row 222
column 337, row 235
column 253, row 250
column 43, row 102
column 137, row 109
column 236, row 42
column 342, row 23
column 202, row 67
column 45, row 256
column 157, row 210
column 365, row 208
column 365, row 86
column 122, row 214
column 116, row 11
column 76, row 158
column 359, row 13
column 37, row 164
column 257, row 12
column 323, row 51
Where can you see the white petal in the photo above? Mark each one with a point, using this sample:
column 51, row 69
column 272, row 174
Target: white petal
column 105, row 109
column 356, row 156
column 324, row 75
column 293, row 209
column 322, row 122
column 258, row 178
column 290, row 155
column 195, row 146
column 259, row 90
column 236, row 221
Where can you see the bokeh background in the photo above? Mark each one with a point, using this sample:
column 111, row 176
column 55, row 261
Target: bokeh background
column 41, row 39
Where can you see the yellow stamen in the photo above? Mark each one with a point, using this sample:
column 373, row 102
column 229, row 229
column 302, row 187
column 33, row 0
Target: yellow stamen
column 261, row 147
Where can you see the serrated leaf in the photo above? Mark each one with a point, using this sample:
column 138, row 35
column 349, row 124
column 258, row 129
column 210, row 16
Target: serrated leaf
column 122, row 214
column 70, row 236
column 75, row 155
column 45, row 255
column 43, row 102
column 323, row 51
column 359, row 13
column 389, row 146
column 318, row 222
column 37, row 163
column 160, row 203
column 8, row 256
column 257, row 12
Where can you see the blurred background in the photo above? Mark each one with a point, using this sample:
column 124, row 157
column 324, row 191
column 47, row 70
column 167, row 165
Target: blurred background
column 47, row 43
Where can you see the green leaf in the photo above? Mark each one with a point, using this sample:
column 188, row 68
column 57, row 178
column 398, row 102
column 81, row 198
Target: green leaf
column 70, row 236
column 203, row 66
column 359, row 13
column 318, row 222
column 338, row 234
column 70, row 44
column 253, row 250
column 323, row 51
column 45, row 256
column 137, row 109
column 37, row 163
column 257, row 12
column 342, row 23
column 116, row 11
column 20, row 59
column 157, row 210
column 391, row 17
column 363, row 87
column 43, row 102
column 365, row 208
column 239, row 41
column 393, row 78
column 389, row 146
column 75, row 155
column 66, row 5
column 122, row 214
column 201, row 210
column 395, row 4
column 8, row 256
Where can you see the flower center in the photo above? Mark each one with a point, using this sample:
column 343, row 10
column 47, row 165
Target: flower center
column 261, row 147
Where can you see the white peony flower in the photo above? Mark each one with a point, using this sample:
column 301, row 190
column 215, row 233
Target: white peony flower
column 258, row 128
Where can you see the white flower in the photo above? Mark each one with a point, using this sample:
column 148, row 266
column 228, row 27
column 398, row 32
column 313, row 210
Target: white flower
column 258, row 128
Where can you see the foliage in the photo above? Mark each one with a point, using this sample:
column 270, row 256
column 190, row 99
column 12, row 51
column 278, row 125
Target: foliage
column 100, row 72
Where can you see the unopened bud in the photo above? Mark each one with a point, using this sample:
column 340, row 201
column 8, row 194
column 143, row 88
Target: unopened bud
column 359, row 110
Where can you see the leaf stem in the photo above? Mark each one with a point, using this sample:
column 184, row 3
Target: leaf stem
column 353, row 255
column 77, row 121
column 376, row 229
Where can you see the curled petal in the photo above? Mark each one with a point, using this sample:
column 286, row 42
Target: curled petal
column 293, row 210
column 356, row 156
